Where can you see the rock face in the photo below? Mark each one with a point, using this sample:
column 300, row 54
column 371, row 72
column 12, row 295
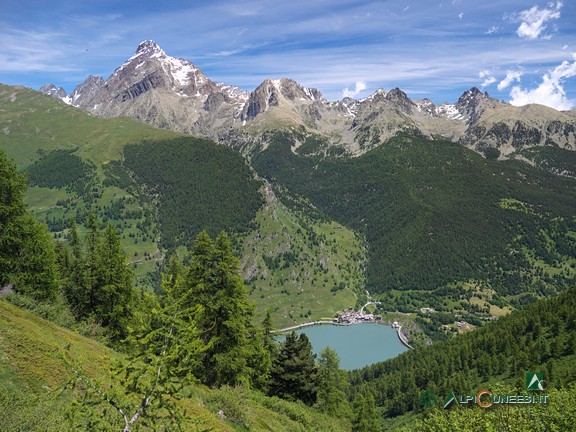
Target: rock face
column 88, row 90
column 163, row 91
column 52, row 90
column 173, row 93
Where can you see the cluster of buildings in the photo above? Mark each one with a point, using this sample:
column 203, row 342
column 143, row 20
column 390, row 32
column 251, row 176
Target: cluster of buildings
column 355, row 317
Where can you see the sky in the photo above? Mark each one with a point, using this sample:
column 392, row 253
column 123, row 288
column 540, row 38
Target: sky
column 518, row 51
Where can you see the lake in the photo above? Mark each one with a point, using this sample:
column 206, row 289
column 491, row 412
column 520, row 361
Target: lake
column 357, row 345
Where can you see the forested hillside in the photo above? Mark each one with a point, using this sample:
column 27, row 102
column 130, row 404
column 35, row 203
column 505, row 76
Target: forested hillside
column 435, row 213
column 199, row 186
column 200, row 331
column 541, row 337
column 159, row 189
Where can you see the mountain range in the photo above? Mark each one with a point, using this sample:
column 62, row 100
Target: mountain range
column 173, row 93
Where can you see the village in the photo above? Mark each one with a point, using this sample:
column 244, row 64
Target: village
column 355, row 317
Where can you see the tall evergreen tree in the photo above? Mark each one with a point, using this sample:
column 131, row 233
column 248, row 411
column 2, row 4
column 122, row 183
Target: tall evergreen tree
column 269, row 343
column 113, row 292
column 26, row 252
column 294, row 375
column 12, row 210
column 90, row 260
column 213, row 282
column 365, row 416
column 37, row 272
column 75, row 284
column 332, row 385
column 99, row 283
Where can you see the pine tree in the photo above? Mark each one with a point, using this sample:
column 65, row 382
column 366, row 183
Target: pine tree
column 113, row 292
column 269, row 342
column 75, row 284
column 213, row 282
column 365, row 416
column 90, row 260
column 37, row 272
column 27, row 256
column 98, row 281
column 12, row 210
column 294, row 375
column 332, row 385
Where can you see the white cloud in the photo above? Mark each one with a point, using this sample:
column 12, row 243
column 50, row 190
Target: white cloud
column 511, row 76
column 487, row 77
column 461, row 15
column 550, row 92
column 359, row 87
column 534, row 20
column 491, row 30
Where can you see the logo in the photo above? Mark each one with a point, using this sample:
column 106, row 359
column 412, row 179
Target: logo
column 449, row 399
column 485, row 398
column 535, row 381
column 428, row 399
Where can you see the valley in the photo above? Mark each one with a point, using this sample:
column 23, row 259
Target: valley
column 187, row 221
column 317, row 223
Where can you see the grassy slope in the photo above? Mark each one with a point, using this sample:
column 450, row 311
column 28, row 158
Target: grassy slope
column 30, row 121
column 298, row 268
column 32, row 368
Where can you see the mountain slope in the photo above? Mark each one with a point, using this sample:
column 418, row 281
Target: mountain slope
column 541, row 337
column 435, row 213
column 159, row 189
column 32, row 368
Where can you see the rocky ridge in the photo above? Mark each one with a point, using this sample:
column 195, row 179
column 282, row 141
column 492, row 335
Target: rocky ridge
column 173, row 93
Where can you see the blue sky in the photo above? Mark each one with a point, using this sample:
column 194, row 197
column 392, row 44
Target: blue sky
column 518, row 51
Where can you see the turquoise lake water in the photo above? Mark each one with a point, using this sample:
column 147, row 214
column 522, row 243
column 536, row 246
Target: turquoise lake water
column 357, row 345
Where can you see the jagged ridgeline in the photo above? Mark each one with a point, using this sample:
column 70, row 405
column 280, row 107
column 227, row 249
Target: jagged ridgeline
column 199, row 185
column 436, row 213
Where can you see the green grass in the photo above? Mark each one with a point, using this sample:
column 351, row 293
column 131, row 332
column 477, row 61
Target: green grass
column 32, row 370
column 31, row 121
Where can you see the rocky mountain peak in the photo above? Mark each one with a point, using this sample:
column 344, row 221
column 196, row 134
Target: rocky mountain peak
column 292, row 90
column 473, row 102
column 171, row 92
column 149, row 47
column 271, row 92
column 52, row 90
column 85, row 91
column 400, row 98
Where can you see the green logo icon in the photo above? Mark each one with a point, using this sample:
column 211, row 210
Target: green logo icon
column 535, row 381
column 449, row 399
column 428, row 399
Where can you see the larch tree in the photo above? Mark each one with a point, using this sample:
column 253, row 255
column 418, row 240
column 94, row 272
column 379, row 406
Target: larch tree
column 294, row 374
column 114, row 294
column 332, row 385
column 213, row 282
column 364, row 413
column 27, row 257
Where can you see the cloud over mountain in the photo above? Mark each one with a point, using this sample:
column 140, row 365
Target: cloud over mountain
column 550, row 92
